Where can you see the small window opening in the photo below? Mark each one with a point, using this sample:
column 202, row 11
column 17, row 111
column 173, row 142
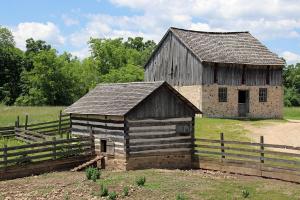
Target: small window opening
column 242, row 96
column 222, row 94
column 263, row 94
column 103, row 146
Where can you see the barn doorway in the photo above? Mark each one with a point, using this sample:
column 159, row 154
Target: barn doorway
column 243, row 103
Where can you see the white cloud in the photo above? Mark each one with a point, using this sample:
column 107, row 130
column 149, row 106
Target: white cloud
column 82, row 53
column 291, row 57
column 43, row 31
column 68, row 21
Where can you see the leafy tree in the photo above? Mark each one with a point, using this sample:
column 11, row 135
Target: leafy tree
column 291, row 82
column 6, row 38
column 35, row 46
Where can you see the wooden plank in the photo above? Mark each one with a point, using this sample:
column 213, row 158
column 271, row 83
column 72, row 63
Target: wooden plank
column 96, row 123
column 99, row 126
column 152, row 129
column 46, row 127
column 160, row 152
column 199, row 152
column 98, row 120
column 46, row 123
column 7, row 128
column 156, row 135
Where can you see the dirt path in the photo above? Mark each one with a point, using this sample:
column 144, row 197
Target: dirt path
column 285, row 133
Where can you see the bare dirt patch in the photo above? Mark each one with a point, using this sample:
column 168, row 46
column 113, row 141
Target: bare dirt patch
column 285, row 133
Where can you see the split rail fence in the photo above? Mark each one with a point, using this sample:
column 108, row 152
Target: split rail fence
column 37, row 132
column 250, row 158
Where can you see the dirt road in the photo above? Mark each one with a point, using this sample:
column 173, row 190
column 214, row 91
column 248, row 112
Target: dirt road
column 286, row 133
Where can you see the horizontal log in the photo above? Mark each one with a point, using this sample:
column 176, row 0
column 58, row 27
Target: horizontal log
column 155, row 122
column 156, row 135
column 159, row 141
column 98, row 133
column 158, row 147
column 95, row 124
column 23, row 139
column 99, row 126
column 65, row 115
column 98, row 120
column 160, row 152
column 53, row 131
column 256, row 158
column 152, row 129
column 229, row 148
column 29, row 137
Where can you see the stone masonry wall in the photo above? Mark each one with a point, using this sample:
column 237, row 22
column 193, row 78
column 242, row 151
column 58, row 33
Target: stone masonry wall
column 175, row 161
column 205, row 97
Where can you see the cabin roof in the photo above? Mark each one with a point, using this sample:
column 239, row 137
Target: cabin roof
column 119, row 98
column 225, row 47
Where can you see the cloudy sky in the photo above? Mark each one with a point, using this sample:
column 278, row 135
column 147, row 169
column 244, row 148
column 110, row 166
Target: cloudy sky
column 68, row 24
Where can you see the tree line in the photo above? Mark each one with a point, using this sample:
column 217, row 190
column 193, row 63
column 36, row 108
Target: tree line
column 41, row 76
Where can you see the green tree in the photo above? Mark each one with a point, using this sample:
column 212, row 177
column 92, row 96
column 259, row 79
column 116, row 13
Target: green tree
column 291, row 82
column 11, row 64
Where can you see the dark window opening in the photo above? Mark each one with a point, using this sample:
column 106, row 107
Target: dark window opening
column 103, row 145
column 268, row 76
column 215, row 73
column 263, row 94
column 243, row 75
column 242, row 96
column 222, row 94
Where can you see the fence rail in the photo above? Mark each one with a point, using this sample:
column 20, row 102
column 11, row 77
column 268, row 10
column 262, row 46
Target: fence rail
column 258, row 155
column 48, row 150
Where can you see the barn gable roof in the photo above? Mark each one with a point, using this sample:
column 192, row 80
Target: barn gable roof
column 225, row 47
column 119, row 98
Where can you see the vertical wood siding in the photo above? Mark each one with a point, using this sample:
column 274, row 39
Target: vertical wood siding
column 162, row 104
column 174, row 63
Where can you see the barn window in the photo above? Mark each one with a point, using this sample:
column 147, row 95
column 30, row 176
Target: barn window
column 263, row 94
column 223, row 94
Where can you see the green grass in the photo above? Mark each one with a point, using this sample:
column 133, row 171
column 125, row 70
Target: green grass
column 165, row 184
column 291, row 113
column 8, row 114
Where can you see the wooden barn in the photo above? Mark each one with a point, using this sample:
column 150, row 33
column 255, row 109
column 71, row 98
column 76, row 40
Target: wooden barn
column 137, row 125
column 224, row 74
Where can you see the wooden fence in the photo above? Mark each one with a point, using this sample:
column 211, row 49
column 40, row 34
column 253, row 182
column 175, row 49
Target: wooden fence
column 251, row 158
column 37, row 132
column 42, row 151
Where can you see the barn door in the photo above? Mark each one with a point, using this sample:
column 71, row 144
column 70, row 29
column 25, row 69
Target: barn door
column 243, row 103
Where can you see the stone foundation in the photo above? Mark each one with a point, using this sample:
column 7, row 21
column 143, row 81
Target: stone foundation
column 160, row 161
column 205, row 97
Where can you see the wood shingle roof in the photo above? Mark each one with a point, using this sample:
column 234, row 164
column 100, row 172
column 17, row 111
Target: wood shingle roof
column 226, row 47
column 118, row 98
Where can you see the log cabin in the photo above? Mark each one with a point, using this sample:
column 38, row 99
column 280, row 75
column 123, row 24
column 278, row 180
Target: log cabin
column 137, row 125
column 224, row 74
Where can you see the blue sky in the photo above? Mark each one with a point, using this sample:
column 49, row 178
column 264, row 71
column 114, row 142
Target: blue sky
column 68, row 24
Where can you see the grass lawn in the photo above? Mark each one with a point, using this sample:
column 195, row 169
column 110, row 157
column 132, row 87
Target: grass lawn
column 160, row 184
column 291, row 113
column 8, row 114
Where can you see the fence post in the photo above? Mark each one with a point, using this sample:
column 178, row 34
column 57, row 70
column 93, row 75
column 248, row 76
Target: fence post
column 54, row 148
column 92, row 140
column 5, row 156
column 262, row 148
column 18, row 121
column 26, row 122
column 59, row 124
column 222, row 144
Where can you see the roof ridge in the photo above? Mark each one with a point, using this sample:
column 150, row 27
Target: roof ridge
column 128, row 83
column 210, row 32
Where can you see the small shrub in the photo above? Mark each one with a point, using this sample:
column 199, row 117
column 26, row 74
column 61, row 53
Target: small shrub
column 245, row 193
column 181, row 197
column 141, row 181
column 103, row 191
column 92, row 173
column 125, row 191
column 112, row 195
